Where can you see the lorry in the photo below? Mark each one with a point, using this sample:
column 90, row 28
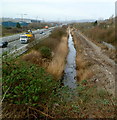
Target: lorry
column 46, row 27
column 27, row 37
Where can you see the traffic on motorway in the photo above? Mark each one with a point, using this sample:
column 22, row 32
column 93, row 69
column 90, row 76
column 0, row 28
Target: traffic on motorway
column 16, row 44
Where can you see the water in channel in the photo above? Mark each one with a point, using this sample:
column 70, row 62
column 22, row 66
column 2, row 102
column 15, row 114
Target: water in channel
column 70, row 69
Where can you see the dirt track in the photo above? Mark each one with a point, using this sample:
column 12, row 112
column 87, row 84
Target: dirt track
column 102, row 66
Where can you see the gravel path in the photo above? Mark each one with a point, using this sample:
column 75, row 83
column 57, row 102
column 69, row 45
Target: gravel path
column 103, row 66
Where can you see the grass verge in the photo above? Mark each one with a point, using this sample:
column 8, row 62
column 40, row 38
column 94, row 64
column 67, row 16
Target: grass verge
column 83, row 66
column 27, row 86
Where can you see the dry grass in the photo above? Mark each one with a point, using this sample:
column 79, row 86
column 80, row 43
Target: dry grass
column 104, row 31
column 80, row 62
column 36, row 58
column 98, row 34
column 57, row 64
column 83, row 66
column 84, row 74
column 48, row 42
column 13, row 111
column 11, row 30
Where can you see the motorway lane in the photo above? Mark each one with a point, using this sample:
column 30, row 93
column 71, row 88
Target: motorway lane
column 16, row 44
column 11, row 38
column 17, row 36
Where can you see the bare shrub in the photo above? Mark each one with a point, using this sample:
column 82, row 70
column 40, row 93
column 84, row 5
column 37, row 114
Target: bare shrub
column 33, row 57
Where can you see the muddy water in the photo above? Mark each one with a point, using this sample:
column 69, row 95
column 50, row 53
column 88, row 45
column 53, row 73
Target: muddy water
column 70, row 69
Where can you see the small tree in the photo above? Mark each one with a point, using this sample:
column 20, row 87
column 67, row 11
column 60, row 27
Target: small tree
column 45, row 52
column 18, row 25
column 95, row 23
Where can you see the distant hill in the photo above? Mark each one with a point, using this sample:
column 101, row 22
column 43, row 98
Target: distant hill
column 81, row 21
column 84, row 20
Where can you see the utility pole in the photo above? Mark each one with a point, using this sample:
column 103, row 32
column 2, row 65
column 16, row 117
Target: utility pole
column 22, row 16
column 37, row 19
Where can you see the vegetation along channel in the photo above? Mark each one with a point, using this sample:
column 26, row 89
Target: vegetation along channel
column 31, row 82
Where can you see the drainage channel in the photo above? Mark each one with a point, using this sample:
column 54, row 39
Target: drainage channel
column 70, row 69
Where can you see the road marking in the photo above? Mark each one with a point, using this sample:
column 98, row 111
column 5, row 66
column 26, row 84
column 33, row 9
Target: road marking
column 18, row 49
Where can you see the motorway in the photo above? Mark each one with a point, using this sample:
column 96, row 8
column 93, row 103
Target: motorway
column 17, row 36
column 16, row 45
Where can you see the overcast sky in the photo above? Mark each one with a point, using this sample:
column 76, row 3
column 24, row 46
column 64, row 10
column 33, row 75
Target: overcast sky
column 59, row 9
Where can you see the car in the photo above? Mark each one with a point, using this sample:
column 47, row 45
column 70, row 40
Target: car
column 41, row 32
column 3, row 44
column 44, row 33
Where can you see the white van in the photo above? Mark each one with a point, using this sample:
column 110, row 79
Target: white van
column 24, row 39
